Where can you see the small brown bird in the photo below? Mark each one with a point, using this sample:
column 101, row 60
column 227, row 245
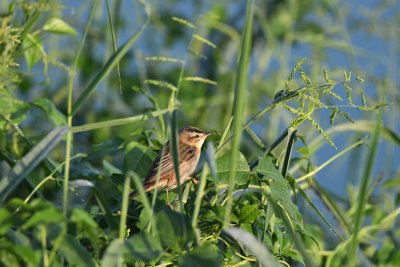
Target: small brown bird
column 191, row 140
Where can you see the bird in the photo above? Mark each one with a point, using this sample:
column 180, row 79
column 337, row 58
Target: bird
column 162, row 172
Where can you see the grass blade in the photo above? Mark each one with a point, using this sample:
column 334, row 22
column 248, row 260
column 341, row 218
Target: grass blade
column 175, row 156
column 116, row 122
column 30, row 161
column 114, row 43
column 199, row 196
column 362, row 196
column 239, row 103
column 107, row 67
column 124, row 208
column 263, row 256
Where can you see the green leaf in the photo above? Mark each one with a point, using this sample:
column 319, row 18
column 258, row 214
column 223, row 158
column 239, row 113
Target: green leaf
column 75, row 253
column 30, row 257
column 242, row 169
column 12, row 107
column 279, row 190
column 51, row 110
column 44, row 216
column 113, row 255
column 175, row 230
column 109, row 147
column 83, row 220
column 111, row 62
column 33, row 49
column 254, row 246
column 6, row 221
column 248, row 213
column 206, row 255
column 138, row 158
column 58, row 26
column 14, row 177
column 143, row 247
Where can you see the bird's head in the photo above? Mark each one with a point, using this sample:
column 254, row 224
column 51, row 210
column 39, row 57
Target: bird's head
column 193, row 136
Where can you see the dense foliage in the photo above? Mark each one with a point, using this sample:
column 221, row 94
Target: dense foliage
column 85, row 106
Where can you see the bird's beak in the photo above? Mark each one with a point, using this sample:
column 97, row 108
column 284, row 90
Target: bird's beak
column 210, row 133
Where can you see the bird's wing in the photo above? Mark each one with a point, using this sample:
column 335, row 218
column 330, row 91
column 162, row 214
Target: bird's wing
column 167, row 164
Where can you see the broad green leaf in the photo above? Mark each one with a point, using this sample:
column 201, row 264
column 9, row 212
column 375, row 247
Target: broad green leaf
column 6, row 221
column 51, row 110
column 30, row 161
column 12, row 107
column 28, row 255
column 219, row 212
column 206, row 255
column 45, row 216
column 138, row 158
column 242, row 169
column 33, row 49
column 144, row 220
column 174, row 229
column 279, row 190
column 254, row 246
column 75, row 253
column 248, row 213
column 116, row 122
column 58, row 26
column 142, row 247
column 9, row 103
column 84, row 221
column 7, row 256
column 113, row 255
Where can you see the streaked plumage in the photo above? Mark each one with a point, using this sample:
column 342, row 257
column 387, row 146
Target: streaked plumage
column 191, row 140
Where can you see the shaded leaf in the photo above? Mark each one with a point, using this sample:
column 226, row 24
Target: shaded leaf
column 206, row 255
column 114, row 254
column 47, row 215
column 174, row 229
column 75, row 253
column 51, row 110
column 143, row 246
column 30, row 161
column 138, row 158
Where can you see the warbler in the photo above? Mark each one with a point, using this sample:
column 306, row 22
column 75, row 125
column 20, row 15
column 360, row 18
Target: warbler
column 191, row 140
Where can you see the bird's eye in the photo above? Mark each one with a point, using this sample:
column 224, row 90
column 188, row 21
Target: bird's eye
column 197, row 136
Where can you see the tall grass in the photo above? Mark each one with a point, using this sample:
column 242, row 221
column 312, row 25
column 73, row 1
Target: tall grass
column 241, row 85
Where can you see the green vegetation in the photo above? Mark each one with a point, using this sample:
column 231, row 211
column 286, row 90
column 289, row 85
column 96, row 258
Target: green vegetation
column 86, row 105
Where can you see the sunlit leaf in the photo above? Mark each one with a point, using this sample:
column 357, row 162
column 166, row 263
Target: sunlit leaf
column 242, row 169
column 248, row 213
column 33, row 49
column 58, row 26
column 279, row 189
